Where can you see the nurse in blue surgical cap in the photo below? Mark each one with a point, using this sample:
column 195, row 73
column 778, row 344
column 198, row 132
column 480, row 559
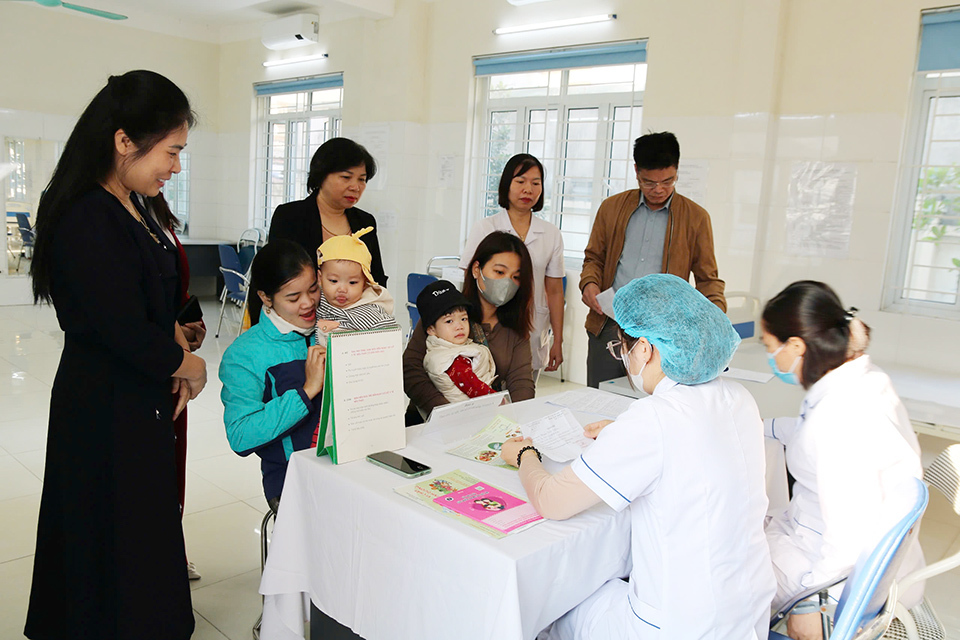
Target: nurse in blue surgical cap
column 688, row 462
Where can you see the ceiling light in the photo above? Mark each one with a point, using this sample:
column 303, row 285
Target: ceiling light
column 555, row 23
column 275, row 63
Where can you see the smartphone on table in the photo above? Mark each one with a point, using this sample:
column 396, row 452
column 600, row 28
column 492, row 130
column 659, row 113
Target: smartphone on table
column 399, row 464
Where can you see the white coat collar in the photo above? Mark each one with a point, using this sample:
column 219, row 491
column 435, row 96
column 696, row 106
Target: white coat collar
column 663, row 386
column 537, row 225
column 840, row 377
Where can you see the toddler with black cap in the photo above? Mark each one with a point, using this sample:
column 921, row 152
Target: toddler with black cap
column 459, row 367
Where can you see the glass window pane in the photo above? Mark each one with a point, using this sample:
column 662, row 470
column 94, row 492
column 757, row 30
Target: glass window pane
column 607, row 79
column 944, row 153
column 575, row 223
column 586, row 149
column 284, row 102
column 326, row 99
column 289, row 131
column 947, row 105
column 502, row 141
column 574, row 244
column 519, row 85
column 946, row 127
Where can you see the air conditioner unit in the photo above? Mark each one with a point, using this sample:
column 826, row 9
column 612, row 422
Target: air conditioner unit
column 293, row 31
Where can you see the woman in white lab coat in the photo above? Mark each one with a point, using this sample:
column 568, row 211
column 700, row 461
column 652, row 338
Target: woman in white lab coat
column 851, row 444
column 688, row 461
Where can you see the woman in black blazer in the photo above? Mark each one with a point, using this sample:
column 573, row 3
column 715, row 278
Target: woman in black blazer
column 339, row 171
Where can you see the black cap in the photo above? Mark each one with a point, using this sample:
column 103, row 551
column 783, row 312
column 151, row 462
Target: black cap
column 436, row 300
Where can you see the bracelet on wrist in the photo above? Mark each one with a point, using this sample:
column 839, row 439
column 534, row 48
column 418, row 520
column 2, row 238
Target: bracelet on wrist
column 525, row 449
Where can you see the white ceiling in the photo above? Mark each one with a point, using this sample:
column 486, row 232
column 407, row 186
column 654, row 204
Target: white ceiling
column 222, row 20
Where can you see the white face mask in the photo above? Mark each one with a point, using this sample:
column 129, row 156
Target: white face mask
column 636, row 381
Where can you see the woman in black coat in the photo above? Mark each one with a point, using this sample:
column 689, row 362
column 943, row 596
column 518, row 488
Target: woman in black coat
column 110, row 559
column 339, row 171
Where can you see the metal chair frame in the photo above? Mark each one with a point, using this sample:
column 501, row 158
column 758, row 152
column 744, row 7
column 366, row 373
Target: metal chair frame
column 27, row 236
column 264, row 547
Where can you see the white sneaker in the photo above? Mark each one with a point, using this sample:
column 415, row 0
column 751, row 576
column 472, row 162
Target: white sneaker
column 192, row 573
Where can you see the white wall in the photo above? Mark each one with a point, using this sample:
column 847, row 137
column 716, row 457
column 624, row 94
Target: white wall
column 749, row 85
column 56, row 61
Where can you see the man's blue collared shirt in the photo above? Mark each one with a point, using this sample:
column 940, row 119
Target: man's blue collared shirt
column 643, row 244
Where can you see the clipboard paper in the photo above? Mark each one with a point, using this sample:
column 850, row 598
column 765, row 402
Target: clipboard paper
column 363, row 401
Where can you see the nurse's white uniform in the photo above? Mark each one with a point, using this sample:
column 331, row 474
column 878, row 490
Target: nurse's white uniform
column 688, row 462
column 851, row 445
column 545, row 245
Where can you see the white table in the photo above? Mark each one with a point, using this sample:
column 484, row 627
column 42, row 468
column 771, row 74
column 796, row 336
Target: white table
column 389, row 568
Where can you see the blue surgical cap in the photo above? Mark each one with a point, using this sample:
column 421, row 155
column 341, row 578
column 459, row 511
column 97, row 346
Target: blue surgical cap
column 694, row 337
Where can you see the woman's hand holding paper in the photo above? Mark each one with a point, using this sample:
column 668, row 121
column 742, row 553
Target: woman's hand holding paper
column 315, row 369
column 510, row 449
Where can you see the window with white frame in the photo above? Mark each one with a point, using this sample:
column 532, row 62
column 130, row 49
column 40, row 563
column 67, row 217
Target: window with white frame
column 578, row 110
column 924, row 271
column 176, row 191
column 17, row 185
column 294, row 118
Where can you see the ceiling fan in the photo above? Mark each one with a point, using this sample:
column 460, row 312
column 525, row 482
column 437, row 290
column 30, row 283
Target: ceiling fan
column 76, row 7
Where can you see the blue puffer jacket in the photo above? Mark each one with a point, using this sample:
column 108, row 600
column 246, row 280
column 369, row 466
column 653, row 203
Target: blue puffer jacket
column 265, row 409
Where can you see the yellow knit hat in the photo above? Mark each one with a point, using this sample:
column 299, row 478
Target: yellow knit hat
column 348, row 248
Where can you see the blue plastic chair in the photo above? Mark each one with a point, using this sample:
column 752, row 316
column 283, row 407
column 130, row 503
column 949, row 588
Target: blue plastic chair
column 869, row 596
column 235, row 284
column 27, row 236
column 415, row 284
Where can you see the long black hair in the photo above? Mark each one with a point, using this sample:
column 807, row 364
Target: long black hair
column 338, row 154
column 517, row 314
column 812, row 311
column 276, row 264
column 148, row 107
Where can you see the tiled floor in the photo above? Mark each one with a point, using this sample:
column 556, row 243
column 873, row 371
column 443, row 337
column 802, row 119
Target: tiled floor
column 224, row 503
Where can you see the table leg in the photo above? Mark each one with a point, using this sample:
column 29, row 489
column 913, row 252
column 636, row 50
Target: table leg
column 323, row 627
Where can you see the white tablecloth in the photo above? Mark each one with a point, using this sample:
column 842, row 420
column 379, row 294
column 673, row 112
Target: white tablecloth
column 391, row 569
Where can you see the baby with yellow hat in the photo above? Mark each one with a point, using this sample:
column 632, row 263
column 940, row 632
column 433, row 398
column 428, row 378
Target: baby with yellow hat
column 350, row 299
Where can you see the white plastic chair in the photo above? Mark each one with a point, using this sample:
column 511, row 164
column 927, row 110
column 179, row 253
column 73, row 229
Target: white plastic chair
column 921, row 622
column 247, row 246
column 745, row 315
column 435, row 268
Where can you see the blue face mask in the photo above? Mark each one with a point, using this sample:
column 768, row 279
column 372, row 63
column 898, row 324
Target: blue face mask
column 790, row 377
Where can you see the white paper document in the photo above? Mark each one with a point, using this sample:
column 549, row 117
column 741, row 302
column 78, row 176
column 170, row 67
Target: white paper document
column 363, row 394
column 601, row 403
column 558, row 436
column 469, row 408
column 605, row 300
column 747, row 374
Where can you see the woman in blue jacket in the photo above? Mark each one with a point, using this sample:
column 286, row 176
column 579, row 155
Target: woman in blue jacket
column 273, row 374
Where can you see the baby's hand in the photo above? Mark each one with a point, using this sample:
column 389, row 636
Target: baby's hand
column 326, row 326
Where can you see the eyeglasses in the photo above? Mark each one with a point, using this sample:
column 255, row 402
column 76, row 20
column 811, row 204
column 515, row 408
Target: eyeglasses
column 652, row 184
column 614, row 348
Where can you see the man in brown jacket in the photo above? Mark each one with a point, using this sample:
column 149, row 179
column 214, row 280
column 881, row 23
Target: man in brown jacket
column 648, row 230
